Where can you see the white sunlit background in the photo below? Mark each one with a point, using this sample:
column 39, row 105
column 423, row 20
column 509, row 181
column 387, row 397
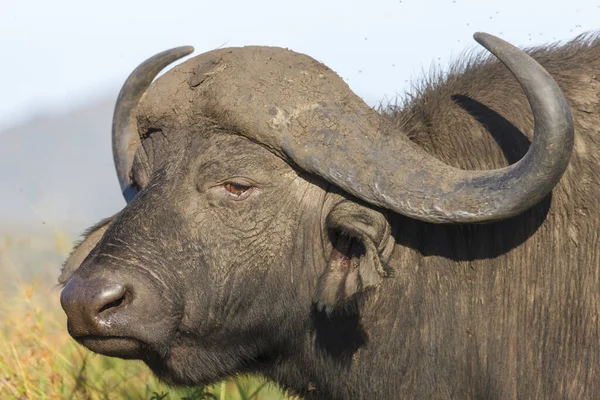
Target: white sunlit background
column 64, row 61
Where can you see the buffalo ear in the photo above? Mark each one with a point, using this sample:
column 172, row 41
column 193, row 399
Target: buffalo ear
column 90, row 238
column 361, row 243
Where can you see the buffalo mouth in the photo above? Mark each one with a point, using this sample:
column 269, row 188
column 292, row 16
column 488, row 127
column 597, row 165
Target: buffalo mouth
column 114, row 346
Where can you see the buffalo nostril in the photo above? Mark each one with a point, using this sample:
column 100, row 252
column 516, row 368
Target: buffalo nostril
column 110, row 297
column 91, row 303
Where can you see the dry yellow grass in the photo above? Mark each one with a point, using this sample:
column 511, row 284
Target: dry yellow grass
column 39, row 360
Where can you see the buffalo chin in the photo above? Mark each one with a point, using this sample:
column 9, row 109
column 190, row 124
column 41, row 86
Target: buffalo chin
column 114, row 346
column 187, row 363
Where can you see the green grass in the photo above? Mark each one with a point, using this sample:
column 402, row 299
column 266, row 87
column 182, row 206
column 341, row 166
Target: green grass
column 39, row 360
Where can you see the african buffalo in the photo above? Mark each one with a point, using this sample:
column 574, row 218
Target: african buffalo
column 278, row 225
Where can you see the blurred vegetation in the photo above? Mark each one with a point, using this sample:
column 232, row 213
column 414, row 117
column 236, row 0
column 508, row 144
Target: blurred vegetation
column 39, row 360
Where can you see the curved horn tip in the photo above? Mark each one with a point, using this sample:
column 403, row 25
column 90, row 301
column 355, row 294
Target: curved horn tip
column 481, row 36
column 173, row 54
column 488, row 41
column 184, row 50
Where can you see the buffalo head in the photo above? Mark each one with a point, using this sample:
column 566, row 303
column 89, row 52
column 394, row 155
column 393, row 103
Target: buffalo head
column 258, row 186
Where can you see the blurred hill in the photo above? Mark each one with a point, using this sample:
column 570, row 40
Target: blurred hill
column 56, row 172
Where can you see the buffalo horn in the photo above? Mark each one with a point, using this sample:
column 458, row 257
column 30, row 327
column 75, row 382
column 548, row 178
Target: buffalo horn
column 303, row 111
column 334, row 135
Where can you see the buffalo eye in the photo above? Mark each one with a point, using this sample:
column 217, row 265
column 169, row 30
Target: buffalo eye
column 236, row 189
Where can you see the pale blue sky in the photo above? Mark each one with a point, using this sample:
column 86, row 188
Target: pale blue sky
column 57, row 54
